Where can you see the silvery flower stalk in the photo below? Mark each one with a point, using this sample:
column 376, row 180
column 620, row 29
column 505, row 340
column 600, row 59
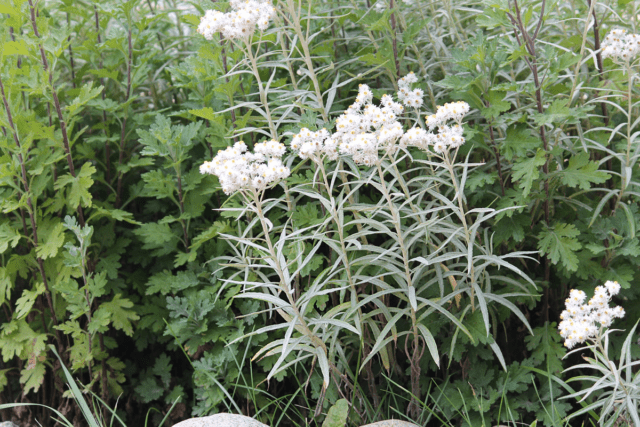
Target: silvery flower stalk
column 294, row 20
column 261, row 89
column 623, row 48
column 251, row 174
column 317, row 146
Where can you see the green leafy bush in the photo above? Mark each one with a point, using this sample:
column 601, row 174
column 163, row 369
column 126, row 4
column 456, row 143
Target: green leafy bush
column 420, row 283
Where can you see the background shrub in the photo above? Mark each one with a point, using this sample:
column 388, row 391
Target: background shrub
column 112, row 241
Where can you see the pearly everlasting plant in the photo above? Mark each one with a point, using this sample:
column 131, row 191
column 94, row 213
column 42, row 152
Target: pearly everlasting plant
column 240, row 22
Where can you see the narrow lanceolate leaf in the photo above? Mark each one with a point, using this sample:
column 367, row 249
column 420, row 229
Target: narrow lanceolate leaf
column 560, row 244
column 526, row 171
column 582, row 173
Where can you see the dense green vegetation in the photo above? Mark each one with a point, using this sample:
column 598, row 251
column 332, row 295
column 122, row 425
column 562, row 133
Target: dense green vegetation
column 423, row 284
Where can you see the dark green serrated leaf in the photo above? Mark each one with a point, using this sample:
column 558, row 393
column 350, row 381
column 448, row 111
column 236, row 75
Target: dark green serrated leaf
column 527, row 171
column 560, row 243
column 582, row 173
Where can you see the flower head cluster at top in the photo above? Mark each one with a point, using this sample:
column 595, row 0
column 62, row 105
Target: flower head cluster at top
column 579, row 320
column 238, row 169
column 240, row 23
column 410, row 98
column 365, row 129
column 621, row 45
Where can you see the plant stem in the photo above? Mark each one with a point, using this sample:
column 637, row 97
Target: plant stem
column 394, row 39
column 32, row 214
column 463, row 217
column 340, row 231
column 181, row 201
column 124, row 119
column 301, row 326
column 415, row 368
column 627, row 159
column 56, row 102
column 71, row 62
column 107, row 147
column 263, row 95
column 307, row 56
column 226, row 79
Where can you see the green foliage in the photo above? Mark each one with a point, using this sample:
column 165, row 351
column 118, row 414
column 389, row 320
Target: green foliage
column 560, row 243
column 117, row 251
column 337, row 415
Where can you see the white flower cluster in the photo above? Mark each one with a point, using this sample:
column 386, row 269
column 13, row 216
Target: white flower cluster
column 365, row 128
column 410, row 98
column 313, row 145
column 448, row 137
column 238, row 169
column 579, row 320
column 621, row 45
column 450, row 111
column 240, row 23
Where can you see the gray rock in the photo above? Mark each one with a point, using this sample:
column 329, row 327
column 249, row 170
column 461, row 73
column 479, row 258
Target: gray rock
column 8, row 424
column 221, row 420
column 391, row 423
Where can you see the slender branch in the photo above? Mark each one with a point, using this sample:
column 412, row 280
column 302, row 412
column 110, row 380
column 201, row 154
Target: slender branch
column 263, row 94
column 496, row 153
column 107, row 147
column 181, row 201
column 529, row 43
column 124, row 119
column 415, row 367
column 31, row 211
column 226, row 79
column 394, row 37
column 71, row 63
column 56, row 102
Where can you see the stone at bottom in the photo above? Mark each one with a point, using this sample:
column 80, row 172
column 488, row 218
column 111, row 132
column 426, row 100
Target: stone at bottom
column 222, row 420
column 391, row 423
